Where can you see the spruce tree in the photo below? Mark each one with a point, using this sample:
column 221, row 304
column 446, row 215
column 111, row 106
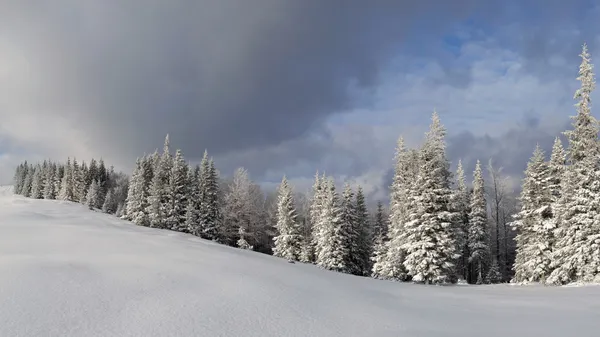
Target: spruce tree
column 19, row 179
column 91, row 199
column 379, row 235
column 158, row 192
column 428, row 237
column 333, row 252
column 364, row 234
column 177, row 198
column 110, row 204
column 534, row 223
column 288, row 240
column 461, row 200
column 391, row 266
column 241, row 242
column 315, row 211
column 66, row 185
column 50, row 182
column 37, row 184
column 479, row 252
column 349, row 233
column 26, row 192
column 137, row 203
column 576, row 256
column 192, row 211
column 210, row 217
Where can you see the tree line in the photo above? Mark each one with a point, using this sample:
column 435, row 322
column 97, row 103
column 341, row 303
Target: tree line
column 439, row 227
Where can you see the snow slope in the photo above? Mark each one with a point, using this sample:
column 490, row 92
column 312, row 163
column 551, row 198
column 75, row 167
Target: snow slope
column 67, row 271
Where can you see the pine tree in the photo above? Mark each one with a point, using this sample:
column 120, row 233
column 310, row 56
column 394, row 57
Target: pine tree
column 478, row 235
column 380, row 233
column 28, row 182
column 534, row 223
column 315, row 212
column 583, row 138
column 66, row 185
column 50, row 182
column 210, row 217
column 576, row 256
column 333, row 252
column 242, row 243
column 19, row 178
column 192, row 211
column 391, row 266
column 364, row 234
column 428, row 237
column 110, row 204
column 37, row 184
column 349, row 233
column 91, row 199
column 461, row 200
column 159, row 189
column 493, row 275
column 77, row 182
column 136, row 209
column 177, row 198
column 288, row 240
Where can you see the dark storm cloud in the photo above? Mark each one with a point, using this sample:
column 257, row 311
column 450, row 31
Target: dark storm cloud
column 224, row 75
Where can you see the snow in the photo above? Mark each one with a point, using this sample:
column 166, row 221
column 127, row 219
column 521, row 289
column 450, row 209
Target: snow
column 69, row 271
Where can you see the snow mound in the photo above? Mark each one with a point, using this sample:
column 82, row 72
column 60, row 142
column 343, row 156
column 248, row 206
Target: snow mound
column 67, row 271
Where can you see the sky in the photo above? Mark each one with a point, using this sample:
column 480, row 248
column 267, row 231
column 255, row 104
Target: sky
column 288, row 87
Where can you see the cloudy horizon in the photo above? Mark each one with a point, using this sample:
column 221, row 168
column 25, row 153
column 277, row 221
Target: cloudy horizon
column 288, row 87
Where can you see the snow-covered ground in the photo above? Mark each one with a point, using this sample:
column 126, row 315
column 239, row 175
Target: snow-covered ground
column 67, row 271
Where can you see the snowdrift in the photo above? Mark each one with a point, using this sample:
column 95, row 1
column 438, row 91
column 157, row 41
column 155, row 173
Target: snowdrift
column 68, row 271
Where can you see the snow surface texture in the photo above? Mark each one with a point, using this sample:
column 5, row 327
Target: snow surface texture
column 68, row 271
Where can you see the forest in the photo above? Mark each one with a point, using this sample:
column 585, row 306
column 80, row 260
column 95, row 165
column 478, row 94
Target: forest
column 439, row 228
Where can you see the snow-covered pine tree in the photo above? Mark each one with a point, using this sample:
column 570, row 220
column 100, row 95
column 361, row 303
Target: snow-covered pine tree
column 288, row 240
column 315, row 211
column 50, row 182
column 478, row 237
column 136, row 206
column 58, row 175
column 91, row 173
column 208, row 207
column 461, row 200
column 333, row 252
column 177, row 198
column 77, row 181
column 576, row 256
column 66, row 185
column 583, row 139
column 91, row 199
column 103, row 182
column 110, row 204
column 26, row 191
column 534, row 223
column 192, row 211
column 241, row 242
column 391, row 266
column 493, row 275
column 364, row 239
column 428, row 237
column 348, row 232
column 238, row 208
column 37, row 184
column 18, row 179
column 159, row 189
column 380, row 232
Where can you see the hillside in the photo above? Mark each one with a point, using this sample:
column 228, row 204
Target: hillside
column 68, row 271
